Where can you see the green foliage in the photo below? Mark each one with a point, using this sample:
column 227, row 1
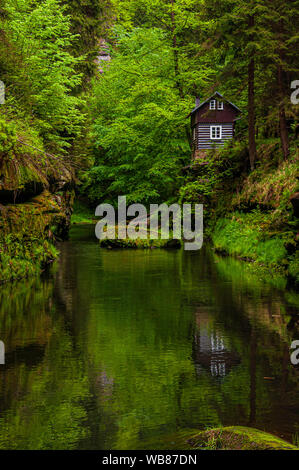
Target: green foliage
column 7, row 136
column 90, row 20
column 294, row 267
column 22, row 256
column 209, row 174
column 270, row 185
column 139, row 123
column 82, row 214
column 243, row 236
column 40, row 71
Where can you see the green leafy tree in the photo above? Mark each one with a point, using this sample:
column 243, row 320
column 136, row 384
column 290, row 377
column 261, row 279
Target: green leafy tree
column 90, row 21
column 139, row 122
column 41, row 75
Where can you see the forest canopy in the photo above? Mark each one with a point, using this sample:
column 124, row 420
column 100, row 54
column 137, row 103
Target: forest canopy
column 163, row 55
column 123, row 123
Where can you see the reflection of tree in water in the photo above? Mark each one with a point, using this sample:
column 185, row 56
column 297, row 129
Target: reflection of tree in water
column 119, row 357
column 43, row 385
column 209, row 351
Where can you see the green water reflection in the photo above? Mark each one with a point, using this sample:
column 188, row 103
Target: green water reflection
column 120, row 347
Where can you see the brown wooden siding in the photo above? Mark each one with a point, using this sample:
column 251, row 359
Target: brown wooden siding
column 204, row 141
column 205, row 114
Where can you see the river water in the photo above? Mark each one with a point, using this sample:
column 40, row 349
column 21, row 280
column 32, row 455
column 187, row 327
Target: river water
column 115, row 349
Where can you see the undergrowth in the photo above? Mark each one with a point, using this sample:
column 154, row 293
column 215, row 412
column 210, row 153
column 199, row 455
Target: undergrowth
column 21, row 256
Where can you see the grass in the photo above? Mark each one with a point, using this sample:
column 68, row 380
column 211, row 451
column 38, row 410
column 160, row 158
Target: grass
column 243, row 236
column 256, row 222
column 270, row 186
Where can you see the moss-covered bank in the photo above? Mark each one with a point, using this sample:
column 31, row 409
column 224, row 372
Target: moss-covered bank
column 36, row 193
column 238, row 438
column 27, row 235
column 146, row 243
column 258, row 219
column 227, row 438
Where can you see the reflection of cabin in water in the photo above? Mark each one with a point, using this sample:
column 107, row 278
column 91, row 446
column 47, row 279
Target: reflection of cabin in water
column 212, row 123
column 209, row 351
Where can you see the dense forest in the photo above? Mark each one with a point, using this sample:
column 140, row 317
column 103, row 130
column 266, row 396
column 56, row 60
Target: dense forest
column 76, row 125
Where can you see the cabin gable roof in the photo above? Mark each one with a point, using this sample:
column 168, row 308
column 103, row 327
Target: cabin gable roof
column 216, row 94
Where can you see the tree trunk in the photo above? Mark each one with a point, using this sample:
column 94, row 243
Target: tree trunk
column 284, row 136
column 283, row 130
column 251, row 106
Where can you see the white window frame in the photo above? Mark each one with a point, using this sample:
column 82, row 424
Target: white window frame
column 213, row 104
column 212, row 131
column 220, row 105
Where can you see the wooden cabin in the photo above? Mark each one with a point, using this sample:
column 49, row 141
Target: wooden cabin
column 212, row 123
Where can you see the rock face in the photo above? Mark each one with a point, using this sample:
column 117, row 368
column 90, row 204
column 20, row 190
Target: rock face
column 37, row 191
column 36, row 196
column 295, row 203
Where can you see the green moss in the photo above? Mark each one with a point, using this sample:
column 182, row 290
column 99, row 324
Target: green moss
column 238, row 438
column 26, row 238
column 140, row 243
column 20, row 258
column 227, row 438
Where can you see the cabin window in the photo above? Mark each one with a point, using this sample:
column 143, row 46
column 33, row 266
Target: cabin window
column 215, row 132
column 194, row 133
column 220, row 104
column 213, row 104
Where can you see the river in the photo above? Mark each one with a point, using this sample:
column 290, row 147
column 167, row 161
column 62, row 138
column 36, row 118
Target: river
column 116, row 348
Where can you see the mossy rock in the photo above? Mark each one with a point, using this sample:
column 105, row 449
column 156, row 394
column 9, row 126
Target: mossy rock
column 238, row 438
column 140, row 243
column 228, row 438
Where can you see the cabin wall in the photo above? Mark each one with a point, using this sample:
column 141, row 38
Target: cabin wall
column 203, row 118
column 202, row 135
column 205, row 114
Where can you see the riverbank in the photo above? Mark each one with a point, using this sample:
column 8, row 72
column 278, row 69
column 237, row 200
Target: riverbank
column 223, row 438
column 251, row 215
column 260, row 224
column 36, row 193
column 29, row 232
